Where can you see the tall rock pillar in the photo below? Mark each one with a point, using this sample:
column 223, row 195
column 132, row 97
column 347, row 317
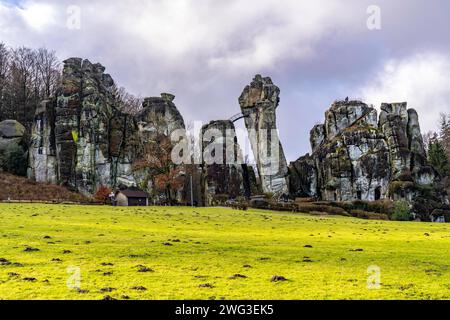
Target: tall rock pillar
column 224, row 177
column 67, row 116
column 259, row 102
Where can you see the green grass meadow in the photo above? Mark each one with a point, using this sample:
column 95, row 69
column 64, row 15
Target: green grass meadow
column 193, row 253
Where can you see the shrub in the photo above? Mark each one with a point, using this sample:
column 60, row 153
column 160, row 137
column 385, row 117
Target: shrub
column 381, row 206
column 14, row 160
column 319, row 207
column 401, row 211
column 369, row 215
column 269, row 195
column 102, row 194
column 220, row 199
column 397, row 187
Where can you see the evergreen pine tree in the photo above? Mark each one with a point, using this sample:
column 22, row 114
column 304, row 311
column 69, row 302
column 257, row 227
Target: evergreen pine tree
column 437, row 157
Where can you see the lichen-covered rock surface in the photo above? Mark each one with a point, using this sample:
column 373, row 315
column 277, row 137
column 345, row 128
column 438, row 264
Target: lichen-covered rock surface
column 81, row 140
column 225, row 174
column 356, row 155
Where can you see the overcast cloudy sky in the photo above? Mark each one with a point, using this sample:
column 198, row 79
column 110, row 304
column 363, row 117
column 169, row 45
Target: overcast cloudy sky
column 206, row 51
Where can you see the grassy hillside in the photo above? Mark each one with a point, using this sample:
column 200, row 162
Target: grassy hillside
column 184, row 253
column 21, row 188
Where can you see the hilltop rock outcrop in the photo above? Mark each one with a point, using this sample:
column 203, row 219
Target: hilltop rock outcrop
column 355, row 156
column 259, row 102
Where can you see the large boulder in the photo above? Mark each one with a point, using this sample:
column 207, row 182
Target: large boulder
column 344, row 114
column 352, row 160
column 159, row 115
column 10, row 129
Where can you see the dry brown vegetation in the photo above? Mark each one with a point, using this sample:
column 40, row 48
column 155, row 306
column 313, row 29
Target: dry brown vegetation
column 19, row 188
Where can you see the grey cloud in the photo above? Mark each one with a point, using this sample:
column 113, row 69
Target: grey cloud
column 206, row 51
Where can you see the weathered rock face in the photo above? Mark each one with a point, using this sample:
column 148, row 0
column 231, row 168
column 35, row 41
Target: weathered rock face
column 42, row 152
column 223, row 168
column 88, row 146
column 259, row 102
column 81, row 140
column 350, row 154
column 407, row 153
column 159, row 116
column 412, row 177
column 355, row 156
column 303, row 177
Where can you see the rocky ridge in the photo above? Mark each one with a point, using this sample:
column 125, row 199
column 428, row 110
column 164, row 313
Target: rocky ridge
column 80, row 139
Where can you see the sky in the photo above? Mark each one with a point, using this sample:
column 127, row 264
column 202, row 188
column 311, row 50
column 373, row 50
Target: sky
column 206, row 51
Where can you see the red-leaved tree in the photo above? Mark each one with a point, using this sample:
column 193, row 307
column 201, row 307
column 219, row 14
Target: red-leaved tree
column 166, row 176
column 102, row 194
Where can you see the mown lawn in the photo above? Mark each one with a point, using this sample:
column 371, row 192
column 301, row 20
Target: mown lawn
column 193, row 253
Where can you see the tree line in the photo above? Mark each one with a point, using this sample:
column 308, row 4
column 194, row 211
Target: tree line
column 438, row 148
column 29, row 76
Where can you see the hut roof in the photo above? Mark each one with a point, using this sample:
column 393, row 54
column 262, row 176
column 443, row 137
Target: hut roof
column 135, row 193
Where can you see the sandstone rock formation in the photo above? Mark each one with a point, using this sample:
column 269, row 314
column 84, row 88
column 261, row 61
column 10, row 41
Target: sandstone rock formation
column 43, row 165
column 356, row 156
column 159, row 116
column 81, row 140
column 223, row 168
column 259, row 102
column 79, row 136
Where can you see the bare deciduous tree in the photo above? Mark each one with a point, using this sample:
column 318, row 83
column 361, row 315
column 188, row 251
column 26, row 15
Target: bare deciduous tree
column 48, row 67
column 126, row 102
column 27, row 77
column 4, row 58
column 22, row 84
